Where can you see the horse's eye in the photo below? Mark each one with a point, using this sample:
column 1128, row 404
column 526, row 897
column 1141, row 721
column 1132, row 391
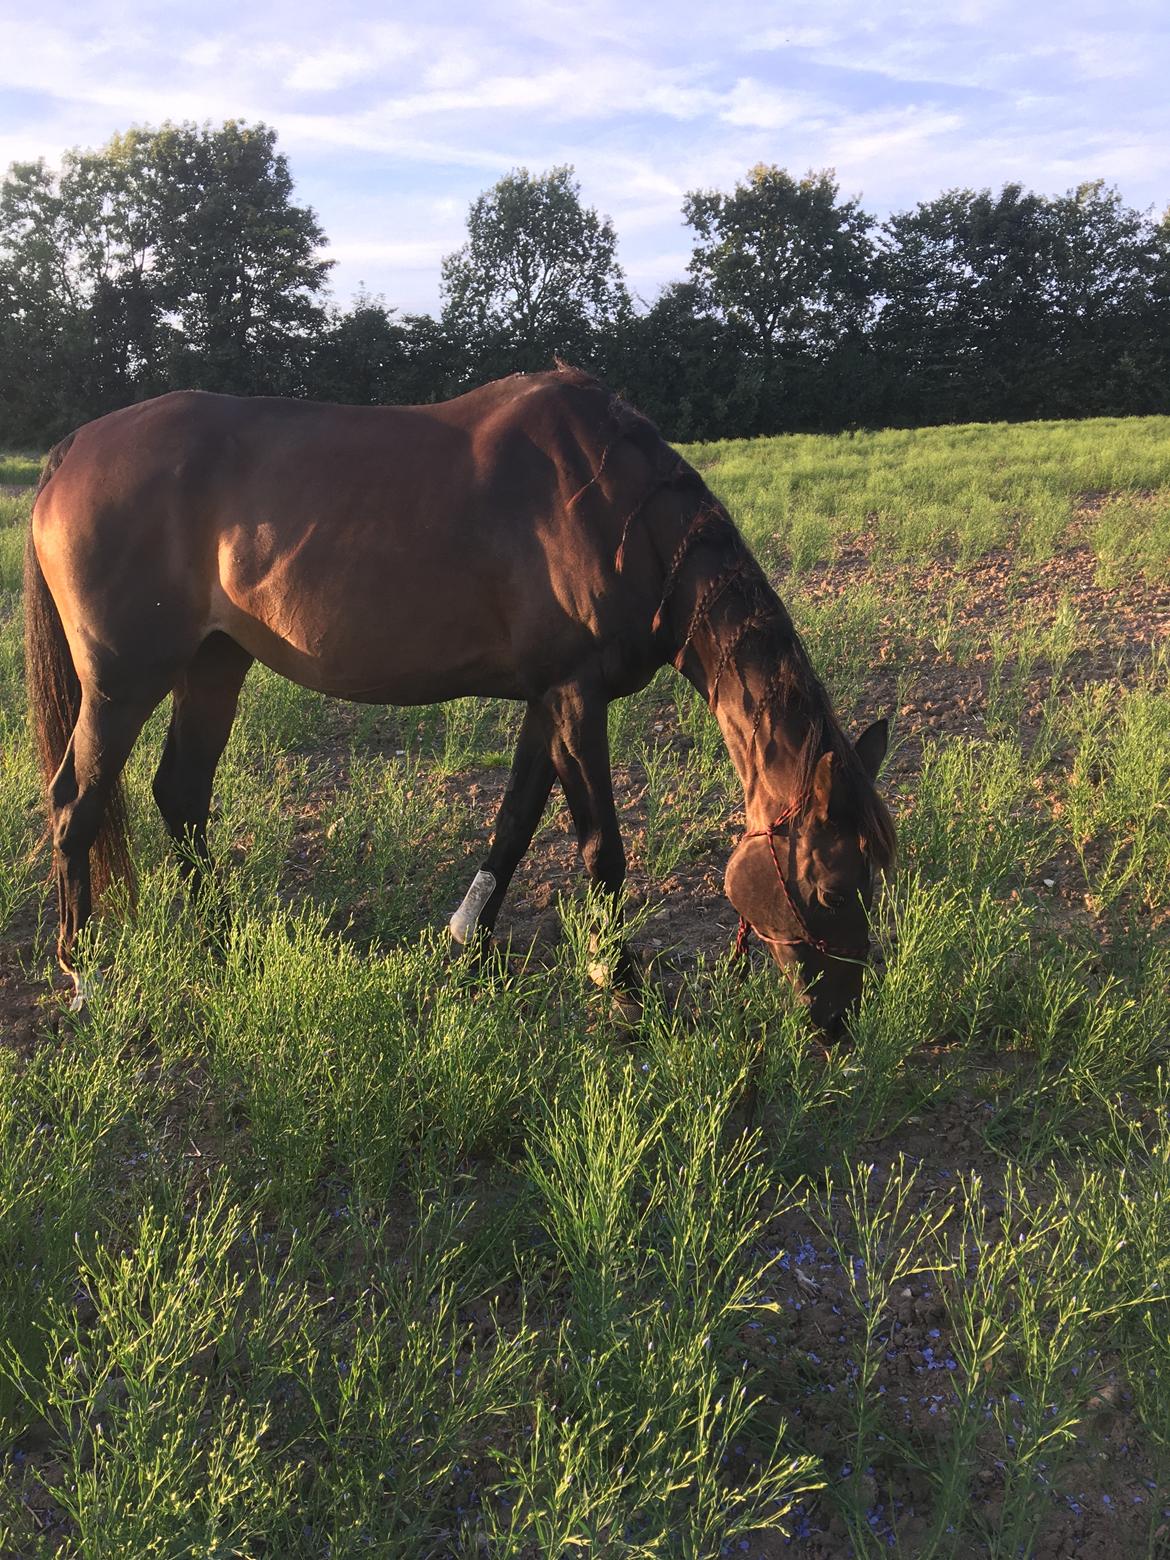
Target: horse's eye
column 830, row 899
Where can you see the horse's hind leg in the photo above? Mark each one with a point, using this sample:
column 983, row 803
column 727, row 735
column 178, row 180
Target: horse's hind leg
column 528, row 789
column 102, row 738
column 204, row 707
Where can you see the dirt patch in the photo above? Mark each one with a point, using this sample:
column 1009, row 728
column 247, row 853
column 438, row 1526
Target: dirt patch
column 29, row 1009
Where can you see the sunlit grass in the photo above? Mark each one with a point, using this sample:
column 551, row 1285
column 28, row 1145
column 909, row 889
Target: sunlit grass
column 964, row 490
column 19, row 470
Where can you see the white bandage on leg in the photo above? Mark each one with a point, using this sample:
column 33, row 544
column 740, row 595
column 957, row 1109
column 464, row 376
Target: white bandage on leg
column 463, row 923
column 83, row 989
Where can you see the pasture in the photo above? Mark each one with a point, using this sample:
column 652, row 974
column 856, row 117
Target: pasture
column 332, row 1247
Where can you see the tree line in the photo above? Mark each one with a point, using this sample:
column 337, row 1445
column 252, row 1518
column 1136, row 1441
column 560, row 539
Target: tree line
column 179, row 257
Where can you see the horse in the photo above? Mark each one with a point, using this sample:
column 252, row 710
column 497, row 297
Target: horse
column 535, row 539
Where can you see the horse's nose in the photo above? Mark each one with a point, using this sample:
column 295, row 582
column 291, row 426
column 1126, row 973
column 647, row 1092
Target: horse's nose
column 833, row 1026
column 830, row 1014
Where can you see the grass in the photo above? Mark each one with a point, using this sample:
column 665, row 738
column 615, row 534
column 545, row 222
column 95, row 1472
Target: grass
column 955, row 491
column 324, row 1245
column 19, row 470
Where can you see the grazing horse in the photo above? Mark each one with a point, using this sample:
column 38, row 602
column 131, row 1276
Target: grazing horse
column 535, row 539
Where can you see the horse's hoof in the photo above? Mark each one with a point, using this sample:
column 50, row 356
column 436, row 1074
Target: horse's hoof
column 469, row 947
column 626, row 1009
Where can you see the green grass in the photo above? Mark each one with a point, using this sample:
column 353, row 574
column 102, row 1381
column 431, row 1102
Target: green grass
column 19, row 470
column 923, row 492
column 316, row 1243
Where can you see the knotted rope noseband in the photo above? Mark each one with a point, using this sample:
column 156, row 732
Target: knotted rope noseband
column 855, row 954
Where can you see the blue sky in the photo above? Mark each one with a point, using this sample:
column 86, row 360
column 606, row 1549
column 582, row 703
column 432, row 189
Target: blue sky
column 395, row 117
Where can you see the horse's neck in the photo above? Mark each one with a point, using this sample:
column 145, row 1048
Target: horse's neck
column 723, row 660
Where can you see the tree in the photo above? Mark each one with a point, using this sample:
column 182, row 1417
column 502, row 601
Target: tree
column 1159, row 337
column 965, row 282
column 368, row 357
column 74, row 257
column 359, row 355
column 236, row 259
column 165, row 258
column 785, row 258
column 1107, row 342
column 538, row 276
column 1016, row 305
column 687, row 368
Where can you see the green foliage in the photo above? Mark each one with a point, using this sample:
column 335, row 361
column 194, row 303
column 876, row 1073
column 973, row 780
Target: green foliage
column 1131, row 532
column 685, row 366
column 537, row 276
column 20, row 824
column 957, row 492
column 1117, row 803
column 785, row 257
column 11, row 555
column 160, row 1459
column 177, row 256
column 1001, row 305
column 687, row 800
column 653, row 1222
column 19, row 470
column 169, row 257
column 235, row 260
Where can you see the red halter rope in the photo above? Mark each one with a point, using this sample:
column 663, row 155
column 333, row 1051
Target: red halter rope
column 853, row 955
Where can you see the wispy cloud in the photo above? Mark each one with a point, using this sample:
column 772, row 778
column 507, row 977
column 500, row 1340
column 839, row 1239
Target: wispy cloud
column 763, row 107
column 329, row 69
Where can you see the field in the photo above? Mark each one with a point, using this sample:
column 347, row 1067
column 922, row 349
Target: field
column 331, row 1247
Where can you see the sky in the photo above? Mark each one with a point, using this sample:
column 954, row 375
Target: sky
column 395, row 117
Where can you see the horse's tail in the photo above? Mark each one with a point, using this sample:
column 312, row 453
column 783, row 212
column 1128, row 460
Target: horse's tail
column 54, row 698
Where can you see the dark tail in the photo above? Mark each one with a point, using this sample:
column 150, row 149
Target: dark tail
column 54, row 699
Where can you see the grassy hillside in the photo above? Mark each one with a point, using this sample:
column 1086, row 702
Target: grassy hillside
column 957, row 492
column 331, row 1247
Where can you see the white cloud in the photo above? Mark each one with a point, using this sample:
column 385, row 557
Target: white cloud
column 795, row 37
column 203, row 53
column 328, row 70
column 764, row 107
column 876, row 138
column 1101, row 56
column 454, row 69
column 413, row 253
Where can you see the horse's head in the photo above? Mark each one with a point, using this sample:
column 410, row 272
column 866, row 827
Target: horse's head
column 805, row 885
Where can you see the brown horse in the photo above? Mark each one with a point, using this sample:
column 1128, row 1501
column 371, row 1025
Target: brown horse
column 535, row 539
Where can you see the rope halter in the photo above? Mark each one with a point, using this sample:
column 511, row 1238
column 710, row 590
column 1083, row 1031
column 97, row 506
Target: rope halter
column 852, row 954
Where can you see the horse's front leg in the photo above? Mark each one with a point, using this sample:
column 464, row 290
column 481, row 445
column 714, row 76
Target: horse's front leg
column 528, row 789
column 580, row 755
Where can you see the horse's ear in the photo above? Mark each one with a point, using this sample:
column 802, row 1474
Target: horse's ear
column 822, row 787
column 871, row 746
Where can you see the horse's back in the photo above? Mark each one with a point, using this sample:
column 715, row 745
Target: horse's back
column 405, row 553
